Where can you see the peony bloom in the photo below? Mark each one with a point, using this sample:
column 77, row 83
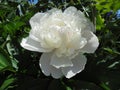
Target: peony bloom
column 63, row 37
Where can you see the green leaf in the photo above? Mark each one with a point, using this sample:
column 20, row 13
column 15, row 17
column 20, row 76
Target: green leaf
column 9, row 28
column 106, row 5
column 111, row 51
column 5, row 61
column 14, row 63
column 7, row 83
column 99, row 22
column 68, row 88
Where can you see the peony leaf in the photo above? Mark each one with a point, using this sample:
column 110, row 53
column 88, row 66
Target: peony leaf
column 7, row 83
column 99, row 22
column 5, row 63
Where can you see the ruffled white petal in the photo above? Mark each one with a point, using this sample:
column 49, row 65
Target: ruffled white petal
column 78, row 65
column 36, row 25
column 32, row 45
column 58, row 62
column 92, row 42
column 53, row 11
column 36, row 19
column 48, row 69
column 70, row 10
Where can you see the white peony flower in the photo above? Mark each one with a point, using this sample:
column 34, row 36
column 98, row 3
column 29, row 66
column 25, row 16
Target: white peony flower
column 63, row 37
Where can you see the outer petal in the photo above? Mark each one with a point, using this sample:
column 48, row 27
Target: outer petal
column 70, row 10
column 32, row 45
column 53, row 10
column 36, row 19
column 78, row 65
column 58, row 62
column 92, row 43
column 89, row 26
column 36, row 24
column 47, row 69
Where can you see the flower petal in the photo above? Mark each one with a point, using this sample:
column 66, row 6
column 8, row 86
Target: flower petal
column 48, row 69
column 36, row 19
column 78, row 65
column 92, row 43
column 53, row 10
column 70, row 10
column 32, row 45
column 36, row 24
column 58, row 62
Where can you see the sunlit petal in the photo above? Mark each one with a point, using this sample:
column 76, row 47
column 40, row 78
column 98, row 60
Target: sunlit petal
column 92, row 43
column 32, row 45
column 78, row 65
column 60, row 61
column 48, row 69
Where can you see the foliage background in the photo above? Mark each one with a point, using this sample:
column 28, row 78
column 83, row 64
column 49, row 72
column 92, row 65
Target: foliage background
column 19, row 68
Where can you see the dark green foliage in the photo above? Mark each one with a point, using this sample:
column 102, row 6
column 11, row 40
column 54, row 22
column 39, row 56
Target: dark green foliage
column 19, row 68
